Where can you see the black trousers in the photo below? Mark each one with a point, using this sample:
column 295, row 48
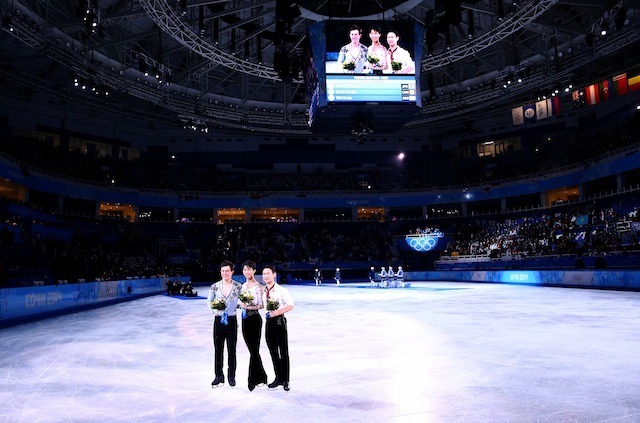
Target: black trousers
column 252, row 332
column 228, row 333
column 278, row 343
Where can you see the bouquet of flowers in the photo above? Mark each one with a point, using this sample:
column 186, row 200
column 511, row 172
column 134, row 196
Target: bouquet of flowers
column 349, row 65
column 272, row 305
column 218, row 304
column 245, row 296
column 374, row 60
column 396, row 66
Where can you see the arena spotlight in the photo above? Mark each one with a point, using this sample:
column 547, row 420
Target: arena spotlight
column 7, row 23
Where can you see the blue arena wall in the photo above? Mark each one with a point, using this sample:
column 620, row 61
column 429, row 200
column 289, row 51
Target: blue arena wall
column 605, row 279
column 27, row 303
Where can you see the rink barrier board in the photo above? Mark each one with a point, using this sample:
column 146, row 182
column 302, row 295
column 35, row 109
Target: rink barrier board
column 603, row 279
column 29, row 303
column 596, row 279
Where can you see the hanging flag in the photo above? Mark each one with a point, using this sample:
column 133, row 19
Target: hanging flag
column 541, row 110
column 605, row 90
column 544, row 109
column 620, row 86
column 577, row 96
column 592, row 92
column 555, row 105
column 529, row 113
column 517, row 116
column 634, row 83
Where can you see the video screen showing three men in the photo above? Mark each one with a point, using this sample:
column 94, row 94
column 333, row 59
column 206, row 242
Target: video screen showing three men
column 370, row 61
column 371, row 48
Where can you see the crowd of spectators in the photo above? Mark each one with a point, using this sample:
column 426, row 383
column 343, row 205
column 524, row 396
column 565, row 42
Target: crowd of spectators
column 36, row 245
column 72, row 249
column 288, row 245
column 364, row 241
column 588, row 230
column 40, row 246
column 427, row 230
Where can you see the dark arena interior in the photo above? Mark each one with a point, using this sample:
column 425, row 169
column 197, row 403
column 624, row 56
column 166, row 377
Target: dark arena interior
column 454, row 210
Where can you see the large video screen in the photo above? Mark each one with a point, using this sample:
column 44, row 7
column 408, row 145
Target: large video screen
column 365, row 62
column 372, row 61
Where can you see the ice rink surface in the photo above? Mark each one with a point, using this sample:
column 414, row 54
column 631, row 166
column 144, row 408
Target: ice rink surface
column 434, row 352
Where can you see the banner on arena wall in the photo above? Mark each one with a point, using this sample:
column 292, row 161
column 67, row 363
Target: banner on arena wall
column 529, row 112
column 22, row 302
column 479, row 276
column 582, row 277
column 620, row 86
column 544, row 109
column 37, row 300
column 517, row 116
column 555, row 106
column 605, row 89
column 577, row 97
column 592, row 94
column 107, row 290
column 634, row 83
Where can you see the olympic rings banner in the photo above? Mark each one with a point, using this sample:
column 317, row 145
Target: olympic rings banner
column 424, row 243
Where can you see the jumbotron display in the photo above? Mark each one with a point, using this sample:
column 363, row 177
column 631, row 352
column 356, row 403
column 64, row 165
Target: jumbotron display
column 371, row 63
column 370, row 89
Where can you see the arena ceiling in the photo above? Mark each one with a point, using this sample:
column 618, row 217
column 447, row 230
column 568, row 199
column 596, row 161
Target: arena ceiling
column 214, row 59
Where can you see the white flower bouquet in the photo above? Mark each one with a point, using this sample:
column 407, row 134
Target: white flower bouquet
column 349, row 65
column 245, row 296
column 272, row 305
column 218, row 304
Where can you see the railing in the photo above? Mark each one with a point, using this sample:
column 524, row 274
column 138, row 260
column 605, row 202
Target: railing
column 470, row 258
